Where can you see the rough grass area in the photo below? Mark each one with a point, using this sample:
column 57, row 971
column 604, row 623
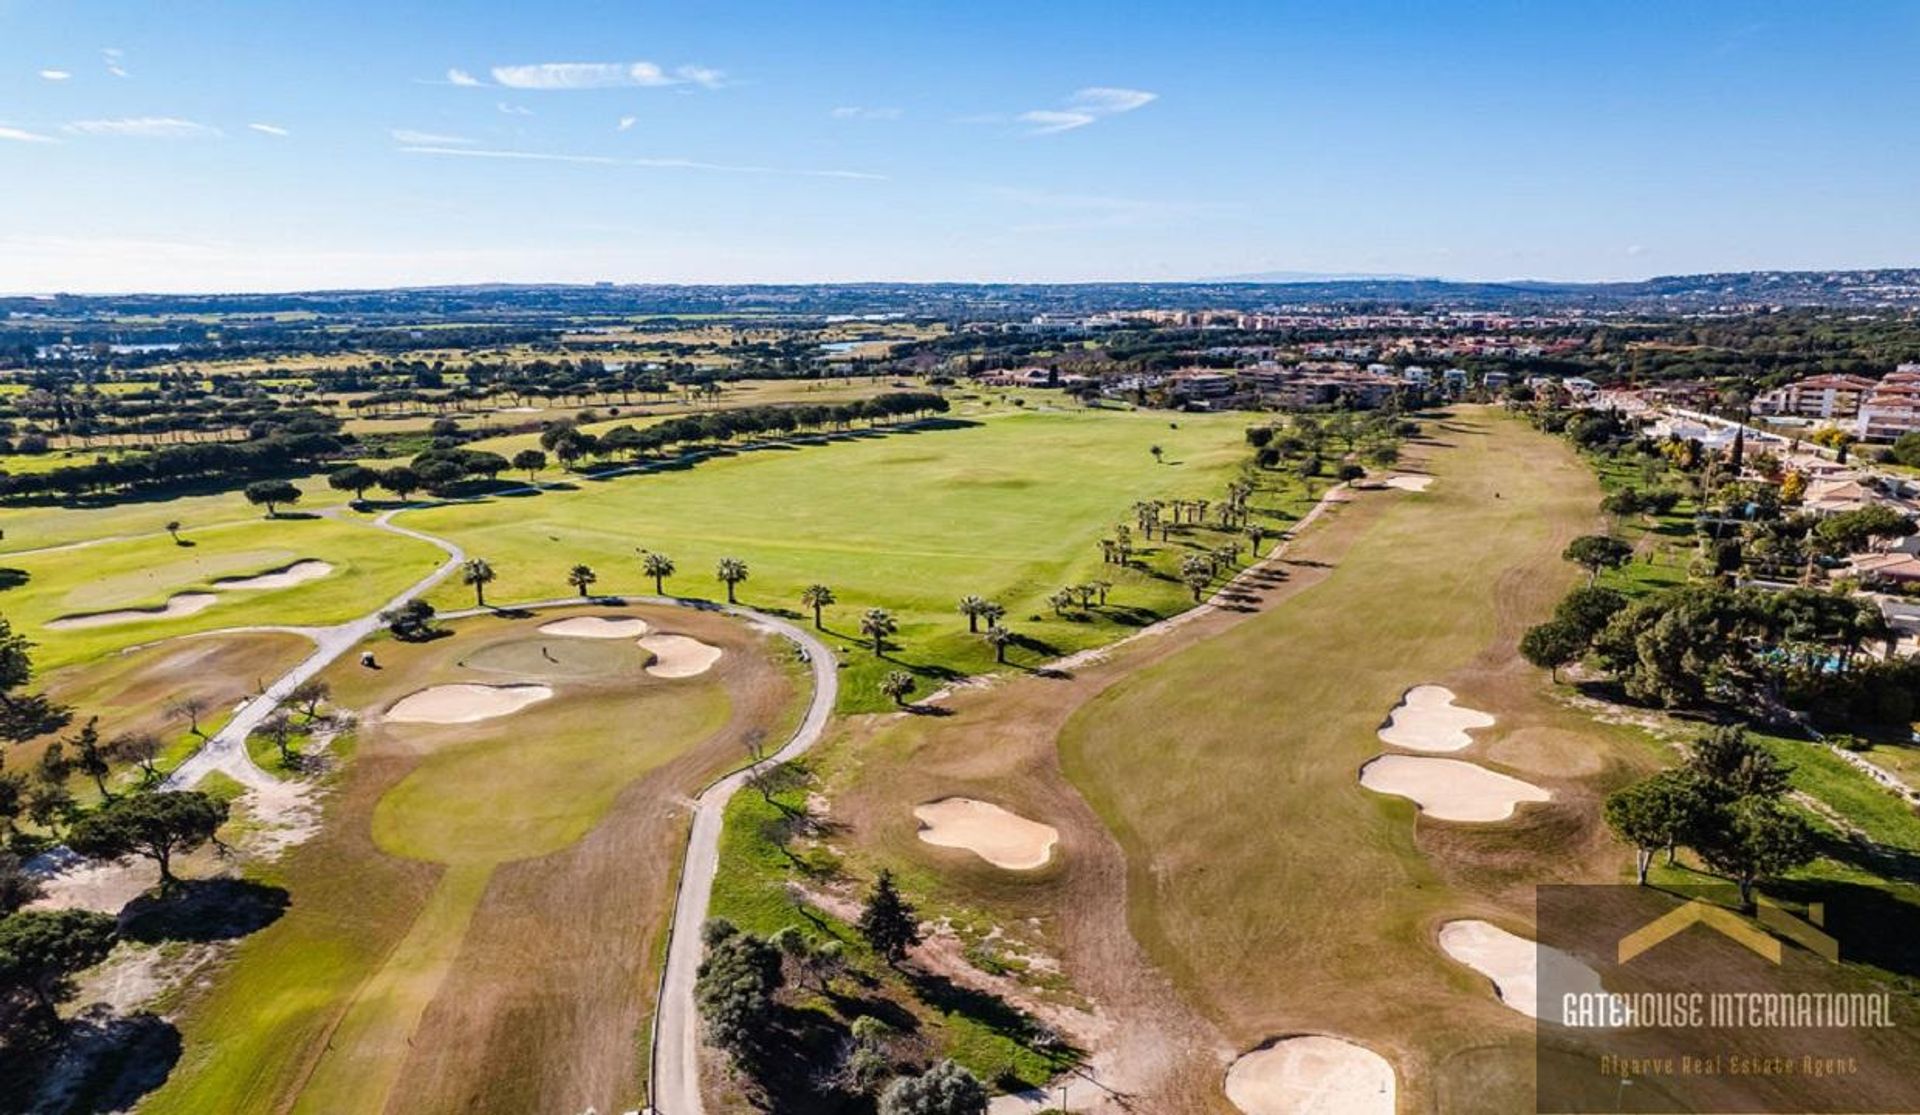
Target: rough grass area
column 756, row 890
column 1010, row 508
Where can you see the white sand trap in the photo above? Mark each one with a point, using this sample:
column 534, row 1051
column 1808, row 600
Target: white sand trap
column 184, row 604
column 1312, row 1075
column 1448, row 789
column 1426, row 719
column 299, row 573
column 596, row 627
column 678, row 656
column 1409, row 483
column 464, row 703
column 1516, row 965
column 1001, row 838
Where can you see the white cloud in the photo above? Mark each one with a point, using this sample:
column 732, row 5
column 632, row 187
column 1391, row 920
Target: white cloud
column 1048, row 121
column 626, row 123
column 270, row 129
column 859, row 112
column 427, row 139
column 55, row 75
column 462, row 77
column 613, row 161
column 1085, row 107
column 144, row 127
column 112, row 56
column 514, row 110
column 1105, row 100
column 580, row 75
column 703, row 76
column 21, row 135
column 603, row 75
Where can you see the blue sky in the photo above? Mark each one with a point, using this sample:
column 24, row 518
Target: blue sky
column 280, row 145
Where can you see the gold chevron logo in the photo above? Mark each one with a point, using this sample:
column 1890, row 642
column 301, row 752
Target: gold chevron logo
column 1738, row 929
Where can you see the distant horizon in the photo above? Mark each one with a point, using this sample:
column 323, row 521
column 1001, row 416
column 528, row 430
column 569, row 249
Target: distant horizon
column 1309, row 279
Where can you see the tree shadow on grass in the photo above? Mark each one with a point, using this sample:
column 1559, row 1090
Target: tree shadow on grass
column 204, row 910
column 98, row 1062
column 996, row 1014
column 13, row 578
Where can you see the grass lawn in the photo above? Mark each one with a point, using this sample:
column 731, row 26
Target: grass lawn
column 1010, row 508
column 1281, row 896
column 1663, row 544
column 35, row 526
column 369, row 567
column 475, row 924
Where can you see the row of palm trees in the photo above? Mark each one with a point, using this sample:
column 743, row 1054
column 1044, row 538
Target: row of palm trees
column 876, row 624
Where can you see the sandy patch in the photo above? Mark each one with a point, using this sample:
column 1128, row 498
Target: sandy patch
column 1410, row 483
column 1448, row 789
column 1001, row 838
column 182, row 604
column 678, row 656
column 1516, row 965
column 71, row 882
column 299, row 573
column 464, row 703
column 1426, row 719
column 1312, row 1075
column 596, row 627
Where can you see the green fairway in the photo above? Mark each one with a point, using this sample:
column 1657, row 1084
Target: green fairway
column 1010, row 508
column 369, row 568
column 1280, row 895
column 36, row 526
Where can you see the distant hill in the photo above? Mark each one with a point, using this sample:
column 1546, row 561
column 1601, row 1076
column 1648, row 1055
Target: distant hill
column 539, row 305
column 1320, row 277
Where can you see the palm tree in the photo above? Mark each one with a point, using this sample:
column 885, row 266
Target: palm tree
column 877, row 624
column 1061, row 601
column 898, row 685
column 582, row 577
column 659, row 567
column 999, row 638
column 1158, row 454
column 1102, row 588
column 173, row 530
column 971, row 607
column 993, row 612
column 816, row 597
column 730, row 572
column 476, row 572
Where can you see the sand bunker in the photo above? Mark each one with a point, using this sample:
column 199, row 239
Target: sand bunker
column 299, row 573
column 1448, row 789
column 596, row 627
column 1516, row 965
column 1409, row 483
column 1001, row 838
column 677, row 656
column 1426, row 719
column 184, row 604
column 1312, row 1075
column 464, row 703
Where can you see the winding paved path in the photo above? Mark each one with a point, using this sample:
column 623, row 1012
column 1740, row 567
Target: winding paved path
column 226, row 749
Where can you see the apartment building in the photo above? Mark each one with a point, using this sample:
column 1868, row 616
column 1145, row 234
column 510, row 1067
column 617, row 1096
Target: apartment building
column 1828, row 397
column 1892, row 407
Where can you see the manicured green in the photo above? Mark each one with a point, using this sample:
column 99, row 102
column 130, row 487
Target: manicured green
column 1011, row 508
